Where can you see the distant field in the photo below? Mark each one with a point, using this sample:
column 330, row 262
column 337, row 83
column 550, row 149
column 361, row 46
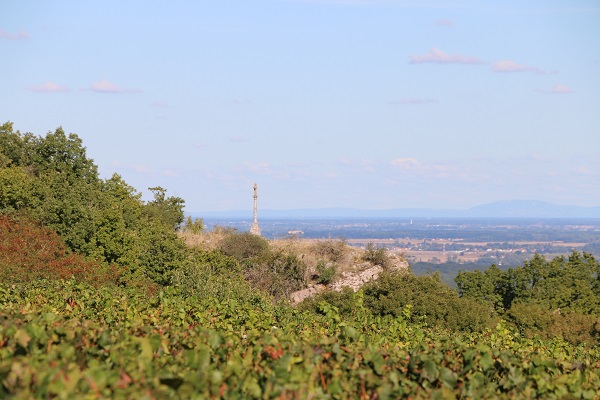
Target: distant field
column 366, row 241
column 398, row 246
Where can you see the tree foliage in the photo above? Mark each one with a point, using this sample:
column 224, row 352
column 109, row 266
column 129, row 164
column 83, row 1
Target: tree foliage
column 560, row 297
column 566, row 283
column 53, row 180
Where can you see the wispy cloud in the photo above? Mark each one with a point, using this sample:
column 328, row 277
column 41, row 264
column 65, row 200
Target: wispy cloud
column 411, row 167
column 437, row 56
column 104, row 86
column 582, row 170
column 413, row 100
column 13, row 36
column 146, row 169
column 241, row 101
column 159, row 104
column 237, row 139
column 140, row 168
column 48, row 87
column 557, row 89
column 363, row 165
column 262, row 167
column 170, row 173
column 511, row 66
column 445, row 23
column 405, row 163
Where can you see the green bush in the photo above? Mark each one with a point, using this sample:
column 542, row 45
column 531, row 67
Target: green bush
column 432, row 302
column 244, row 245
column 213, row 275
column 535, row 320
column 343, row 301
column 278, row 274
column 376, row 256
column 194, row 225
column 326, row 272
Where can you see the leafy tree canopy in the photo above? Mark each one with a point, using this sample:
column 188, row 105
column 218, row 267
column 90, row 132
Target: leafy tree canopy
column 52, row 180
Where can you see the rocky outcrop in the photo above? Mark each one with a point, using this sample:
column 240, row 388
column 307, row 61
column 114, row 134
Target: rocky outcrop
column 353, row 280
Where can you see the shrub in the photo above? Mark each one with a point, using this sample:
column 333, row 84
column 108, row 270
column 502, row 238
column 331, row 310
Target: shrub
column 332, row 250
column 243, row 245
column 326, row 272
column 535, row 320
column 376, row 256
column 213, row 275
column 343, row 301
column 278, row 274
column 432, row 301
column 30, row 252
column 194, row 226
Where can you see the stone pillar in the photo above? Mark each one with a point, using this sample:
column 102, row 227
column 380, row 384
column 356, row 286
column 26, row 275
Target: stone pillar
column 255, row 229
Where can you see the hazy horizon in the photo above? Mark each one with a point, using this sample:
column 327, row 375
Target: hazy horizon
column 520, row 209
column 378, row 104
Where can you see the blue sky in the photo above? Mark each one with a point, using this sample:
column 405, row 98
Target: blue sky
column 323, row 103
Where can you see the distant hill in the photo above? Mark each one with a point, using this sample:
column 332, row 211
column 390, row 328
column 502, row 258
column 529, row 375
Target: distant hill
column 498, row 209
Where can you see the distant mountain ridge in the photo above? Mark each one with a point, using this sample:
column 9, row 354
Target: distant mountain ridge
column 497, row 209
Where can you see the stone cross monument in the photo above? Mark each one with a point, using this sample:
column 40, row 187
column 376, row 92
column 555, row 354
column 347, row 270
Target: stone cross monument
column 255, row 230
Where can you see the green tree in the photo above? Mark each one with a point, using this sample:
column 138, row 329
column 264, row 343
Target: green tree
column 53, row 180
column 169, row 210
column 431, row 301
column 562, row 283
column 487, row 286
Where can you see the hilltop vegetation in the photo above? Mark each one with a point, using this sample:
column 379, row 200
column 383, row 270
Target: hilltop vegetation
column 105, row 295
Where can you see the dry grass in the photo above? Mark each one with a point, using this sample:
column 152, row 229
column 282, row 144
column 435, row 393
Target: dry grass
column 309, row 251
column 209, row 240
column 313, row 251
column 349, row 261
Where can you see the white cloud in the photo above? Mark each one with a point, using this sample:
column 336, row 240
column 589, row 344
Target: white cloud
column 407, row 163
column 171, row 173
column 582, row 170
column 511, row 66
column 360, row 165
column 413, row 168
column 439, row 57
column 262, row 167
column 141, row 168
column 557, row 89
column 445, row 22
column 48, row 87
column 104, row 86
column 13, row 36
column 146, row 170
column 238, row 139
column 159, row 104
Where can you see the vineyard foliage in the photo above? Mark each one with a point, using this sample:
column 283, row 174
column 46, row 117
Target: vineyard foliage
column 67, row 339
column 100, row 297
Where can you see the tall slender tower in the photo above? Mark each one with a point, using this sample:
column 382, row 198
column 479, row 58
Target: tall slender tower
column 255, row 229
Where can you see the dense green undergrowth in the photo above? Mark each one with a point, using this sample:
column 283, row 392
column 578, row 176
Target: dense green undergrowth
column 66, row 339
